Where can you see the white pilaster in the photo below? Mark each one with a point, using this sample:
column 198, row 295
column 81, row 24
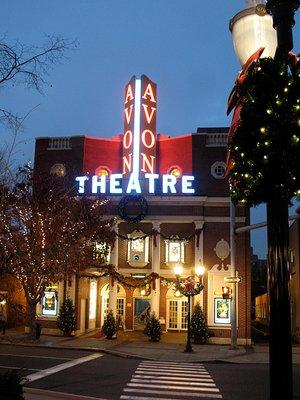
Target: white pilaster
column 113, row 289
column 199, row 255
column 155, row 294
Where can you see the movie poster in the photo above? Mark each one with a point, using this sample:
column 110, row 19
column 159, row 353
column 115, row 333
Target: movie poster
column 221, row 311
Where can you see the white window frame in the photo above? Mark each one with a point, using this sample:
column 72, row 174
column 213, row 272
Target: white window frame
column 106, row 246
column 168, row 244
column 132, row 256
column 217, row 164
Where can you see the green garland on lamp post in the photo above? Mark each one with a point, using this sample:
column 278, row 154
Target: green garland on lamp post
column 265, row 147
column 265, row 167
column 189, row 287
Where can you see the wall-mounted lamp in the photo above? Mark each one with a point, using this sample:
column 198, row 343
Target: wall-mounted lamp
column 226, row 292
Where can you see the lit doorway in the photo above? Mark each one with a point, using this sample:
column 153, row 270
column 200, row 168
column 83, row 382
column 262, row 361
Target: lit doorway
column 121, row 297
column 141, row 309
column 177, row 308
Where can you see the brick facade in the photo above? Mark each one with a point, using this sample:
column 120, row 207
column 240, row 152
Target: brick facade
column 171, row 215
column 190, row 217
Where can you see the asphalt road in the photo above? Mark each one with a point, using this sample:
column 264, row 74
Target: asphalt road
column 109, row 377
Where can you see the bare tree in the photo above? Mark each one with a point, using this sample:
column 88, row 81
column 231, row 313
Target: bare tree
column 29, row 66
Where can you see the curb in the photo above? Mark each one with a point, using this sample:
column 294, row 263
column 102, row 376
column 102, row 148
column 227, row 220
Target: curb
column 91, row 349
column 46, row 346
column 40, row 394
column 117, row 353
column 220, row 359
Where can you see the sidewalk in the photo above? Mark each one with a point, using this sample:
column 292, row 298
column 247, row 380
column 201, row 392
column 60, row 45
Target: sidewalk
column 136, row 344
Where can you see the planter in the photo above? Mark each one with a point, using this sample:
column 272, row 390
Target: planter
column 67, row 334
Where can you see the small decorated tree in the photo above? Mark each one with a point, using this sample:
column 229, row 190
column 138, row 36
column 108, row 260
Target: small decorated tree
column 109, row 327
column 199, row 329
column 153, row 329
column 66, row 320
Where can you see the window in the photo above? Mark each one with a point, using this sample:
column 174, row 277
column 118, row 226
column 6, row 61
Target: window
column 58, row 170
column 177, row 314
column 120, row 307
column 102, row 252
column 138, row 249
column 102, row 170
column 218, row 170
column 174, row 251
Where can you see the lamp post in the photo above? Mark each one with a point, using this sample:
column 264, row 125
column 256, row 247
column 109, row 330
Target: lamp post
column 278, row 195
column 189, row 287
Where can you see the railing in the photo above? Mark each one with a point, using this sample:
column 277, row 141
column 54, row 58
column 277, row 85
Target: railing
column 216, row 140
column 59, row 143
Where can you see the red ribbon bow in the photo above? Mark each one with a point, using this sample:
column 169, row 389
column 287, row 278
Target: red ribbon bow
column 154, row 234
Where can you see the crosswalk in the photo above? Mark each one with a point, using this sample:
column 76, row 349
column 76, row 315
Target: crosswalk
column 161, row 380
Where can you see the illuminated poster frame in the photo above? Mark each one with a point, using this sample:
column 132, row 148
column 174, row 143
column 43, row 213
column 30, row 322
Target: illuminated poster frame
column 49, row 303
column 221, row 310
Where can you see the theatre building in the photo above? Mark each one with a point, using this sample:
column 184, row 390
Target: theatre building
column 171, row 203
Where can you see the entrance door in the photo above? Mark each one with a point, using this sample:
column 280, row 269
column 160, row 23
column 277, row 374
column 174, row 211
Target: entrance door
column 142, row 309
column 120, row 308
column 177, row 314
column 120, row 311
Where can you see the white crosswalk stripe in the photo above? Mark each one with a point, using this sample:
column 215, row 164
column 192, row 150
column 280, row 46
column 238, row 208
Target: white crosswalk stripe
column 161, row 380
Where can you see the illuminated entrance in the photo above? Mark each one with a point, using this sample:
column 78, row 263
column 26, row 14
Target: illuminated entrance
column 176, row 311
column 121, row 296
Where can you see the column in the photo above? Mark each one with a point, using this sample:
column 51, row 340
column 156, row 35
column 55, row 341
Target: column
column 155, row 294
column 199, row 255
column 113, row 289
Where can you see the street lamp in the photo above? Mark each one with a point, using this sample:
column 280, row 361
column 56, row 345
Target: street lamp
column 265, row 171
column 189, row 287
column 251, row 29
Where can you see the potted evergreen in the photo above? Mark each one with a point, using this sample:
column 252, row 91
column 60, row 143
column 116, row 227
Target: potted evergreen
column 199, row 329
column 109, row 327
column 66, row 320
column 153, row 328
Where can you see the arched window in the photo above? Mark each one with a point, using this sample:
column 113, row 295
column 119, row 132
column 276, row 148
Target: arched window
column 138, row 249
column 58, row 170
column 102, row 170
column 218, row 170
column 176, row 171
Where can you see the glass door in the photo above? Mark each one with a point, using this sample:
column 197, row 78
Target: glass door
column 177, row 314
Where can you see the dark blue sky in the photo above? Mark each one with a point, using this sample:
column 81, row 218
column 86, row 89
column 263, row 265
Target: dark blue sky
column 184, row 46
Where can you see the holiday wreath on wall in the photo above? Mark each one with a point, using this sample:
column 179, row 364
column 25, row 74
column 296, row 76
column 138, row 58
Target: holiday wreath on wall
column 133, row 208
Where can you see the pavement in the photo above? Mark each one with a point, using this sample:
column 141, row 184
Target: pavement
column 136, row 344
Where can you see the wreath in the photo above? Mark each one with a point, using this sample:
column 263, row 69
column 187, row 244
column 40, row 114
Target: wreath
column 136, row 202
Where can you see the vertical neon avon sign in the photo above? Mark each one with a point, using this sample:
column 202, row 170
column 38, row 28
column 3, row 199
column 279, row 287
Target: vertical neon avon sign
column 139, row 148
column 139, row 139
